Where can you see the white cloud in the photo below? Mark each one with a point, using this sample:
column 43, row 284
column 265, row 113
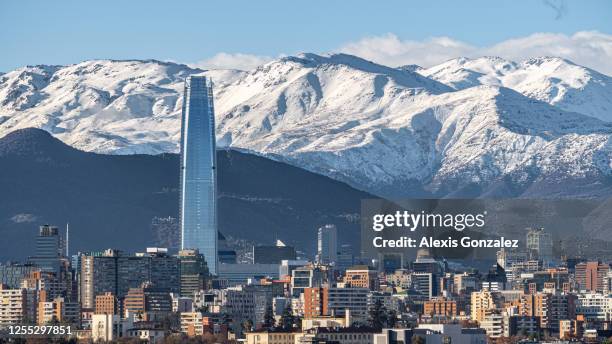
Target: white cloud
column 232, row 61
column 24, row 218
column 588, row 48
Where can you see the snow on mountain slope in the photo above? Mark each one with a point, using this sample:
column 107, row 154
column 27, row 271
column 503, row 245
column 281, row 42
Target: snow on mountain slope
column 101, row 105
column 389, row 131
column 554, row 80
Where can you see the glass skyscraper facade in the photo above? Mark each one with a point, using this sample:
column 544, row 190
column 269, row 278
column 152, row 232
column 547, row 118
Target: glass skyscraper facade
column 49, row 249
column 327, row 244
column 198, row 205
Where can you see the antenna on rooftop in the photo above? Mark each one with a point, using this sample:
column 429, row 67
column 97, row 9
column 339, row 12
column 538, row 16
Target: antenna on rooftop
column 67, row 237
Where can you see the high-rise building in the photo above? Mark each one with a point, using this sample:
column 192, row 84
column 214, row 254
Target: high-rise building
column 17, row 306
column 306, row 277
column 49, row 249
column 12, row 274
column 142, row 303
column 346, row 258
column 324, row 301
column 194, row 273
column 112, row 271
column 327, row 244
column 591, row 276
column 424, row 283
column 540, row 243
column 273, row 254
column 482, row 302
column 549, row 307
column 198, row 202
column 353, row 300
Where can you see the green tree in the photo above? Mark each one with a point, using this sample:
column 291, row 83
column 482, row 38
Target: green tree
column 247, row 325
column 287, row 319
column 418, row 340
column 377, row 315
column 226, row 319
column 268, row 321
column 391, row 318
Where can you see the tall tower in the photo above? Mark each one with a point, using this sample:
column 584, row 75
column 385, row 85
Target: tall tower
column 198, row 203
column 49, row 249
column 327, row 244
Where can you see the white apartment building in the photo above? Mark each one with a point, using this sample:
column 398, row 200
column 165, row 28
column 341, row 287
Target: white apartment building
column 594, row 306
column 17, row 306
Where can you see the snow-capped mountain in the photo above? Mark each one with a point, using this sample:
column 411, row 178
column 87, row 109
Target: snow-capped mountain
column 465, row 127
column 550, row 79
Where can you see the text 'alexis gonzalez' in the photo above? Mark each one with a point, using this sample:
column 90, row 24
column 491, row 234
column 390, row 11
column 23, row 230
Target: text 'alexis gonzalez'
column 413, row 221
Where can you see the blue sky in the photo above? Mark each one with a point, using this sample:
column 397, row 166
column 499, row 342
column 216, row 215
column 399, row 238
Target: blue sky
column 63, row 32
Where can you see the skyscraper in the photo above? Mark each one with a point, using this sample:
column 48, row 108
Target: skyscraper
column 327, row 244
column 198, row 207
column 193, row 272
column 540, row 243
column 49, row 249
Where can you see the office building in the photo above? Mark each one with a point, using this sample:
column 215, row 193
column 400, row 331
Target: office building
column 114, row 272
column 49, row 249
column 440, row 307
column 287, row 266
column 164, row 269
column 323, row 301
column 453, row 333
column 361, row 276
column 12, row 274
column 198, row 189
column 273, row 254
column 424, row 283
column 306, row 277
column 194, row 273
column 147, row 303
column 247, row 302
column 107, row 303
column 346, row 257
column 591, row 276
column 539, row 243
column 353, row 300
column 327, row 244
column 235, row 274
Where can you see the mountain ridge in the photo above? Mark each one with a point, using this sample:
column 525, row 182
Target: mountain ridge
column 394, row 132
column 110, row 200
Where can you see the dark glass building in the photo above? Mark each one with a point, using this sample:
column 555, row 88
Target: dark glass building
column 49, row 249
column 194, row 273
column 198, row 203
